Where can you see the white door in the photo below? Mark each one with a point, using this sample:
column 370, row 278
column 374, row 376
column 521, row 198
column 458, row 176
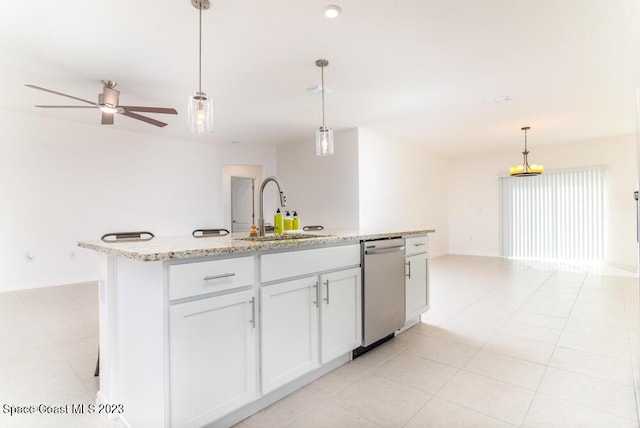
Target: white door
column 242, row 206
column 212, row 357
column 289, row 326
column 416, row 285
column 341, row 320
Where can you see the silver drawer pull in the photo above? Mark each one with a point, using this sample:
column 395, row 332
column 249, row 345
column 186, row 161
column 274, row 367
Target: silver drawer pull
column 222, row 275
column 253, row 312
column 326, row 299
column 315, row 285
column 420, row 244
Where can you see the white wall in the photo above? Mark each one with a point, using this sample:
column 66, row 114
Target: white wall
column 63, row 182
column 402, row 187
column 474, row 204
column 323, row 190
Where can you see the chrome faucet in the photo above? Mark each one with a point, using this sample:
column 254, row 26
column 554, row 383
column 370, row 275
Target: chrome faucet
column 283, row 201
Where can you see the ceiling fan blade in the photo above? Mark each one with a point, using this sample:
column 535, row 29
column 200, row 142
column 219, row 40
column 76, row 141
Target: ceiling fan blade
column 150, row 109
column 107, row 118
column 110, row 96
column 67, row 106
column 144, row 118
column 61, row 94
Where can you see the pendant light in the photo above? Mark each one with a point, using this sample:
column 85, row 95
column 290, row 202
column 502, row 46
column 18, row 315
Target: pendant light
column 324, row 135
column 200, row 108
column 526, row 170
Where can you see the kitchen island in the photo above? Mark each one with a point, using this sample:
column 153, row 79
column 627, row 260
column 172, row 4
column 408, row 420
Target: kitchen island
column 199, row 331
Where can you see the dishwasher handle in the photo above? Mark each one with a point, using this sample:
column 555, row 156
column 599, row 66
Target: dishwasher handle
column 384, row 250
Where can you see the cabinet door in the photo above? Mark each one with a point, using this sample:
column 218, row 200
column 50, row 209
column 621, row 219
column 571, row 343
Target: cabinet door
column 416, row 285
column 289, row 327
column 212, row 357
column 341, row 314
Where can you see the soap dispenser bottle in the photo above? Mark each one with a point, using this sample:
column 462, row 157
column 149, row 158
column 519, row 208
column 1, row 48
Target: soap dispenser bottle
column 278, row 223
column 288, row 221
column 296, row 221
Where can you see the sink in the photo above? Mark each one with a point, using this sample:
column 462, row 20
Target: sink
column 285, row 237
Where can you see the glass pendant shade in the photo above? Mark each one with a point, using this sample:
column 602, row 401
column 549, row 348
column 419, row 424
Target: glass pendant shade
column 200, row 113
column 324, row 141
column 534, row 169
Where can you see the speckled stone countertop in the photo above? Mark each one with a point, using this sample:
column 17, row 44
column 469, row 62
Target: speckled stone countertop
column 185, row 247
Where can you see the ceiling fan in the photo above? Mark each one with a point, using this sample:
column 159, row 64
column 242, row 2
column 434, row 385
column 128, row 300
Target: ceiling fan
column 108, row 104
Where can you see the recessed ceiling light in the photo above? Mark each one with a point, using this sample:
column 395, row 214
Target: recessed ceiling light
column 331, row 11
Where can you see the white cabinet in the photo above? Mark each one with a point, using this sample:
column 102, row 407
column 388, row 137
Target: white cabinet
column 213, row 276
column 308, row 322
column 416, row 285
column 341, row 320
column 212, row 357
column 289, row 264
column 416, row 245
column 289, row 328
column 416, row 276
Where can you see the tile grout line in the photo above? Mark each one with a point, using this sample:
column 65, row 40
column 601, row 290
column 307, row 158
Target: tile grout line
column 555, row 347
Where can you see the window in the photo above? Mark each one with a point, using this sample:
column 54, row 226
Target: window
column 553, row 216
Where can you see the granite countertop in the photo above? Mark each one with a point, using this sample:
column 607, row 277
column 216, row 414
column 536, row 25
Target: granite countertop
column 184, row 247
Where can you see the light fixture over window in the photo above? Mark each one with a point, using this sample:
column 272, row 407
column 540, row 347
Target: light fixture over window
column 200, row 107
column 324, row 135
column 526, row 170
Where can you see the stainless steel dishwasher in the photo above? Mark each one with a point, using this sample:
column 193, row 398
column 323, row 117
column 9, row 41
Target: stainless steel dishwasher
column 383, row 309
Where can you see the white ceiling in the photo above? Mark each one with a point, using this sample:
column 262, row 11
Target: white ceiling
column 422, row 71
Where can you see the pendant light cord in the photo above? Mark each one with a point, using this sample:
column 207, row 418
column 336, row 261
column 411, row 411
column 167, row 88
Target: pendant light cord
column 322, row 82
column 200, row 49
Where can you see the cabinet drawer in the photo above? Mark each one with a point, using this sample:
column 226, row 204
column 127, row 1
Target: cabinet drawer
column 193, row 279
column 305, row 262
column 416, row 245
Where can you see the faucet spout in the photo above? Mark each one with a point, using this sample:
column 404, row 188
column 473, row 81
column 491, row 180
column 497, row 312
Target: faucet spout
column 283, row 201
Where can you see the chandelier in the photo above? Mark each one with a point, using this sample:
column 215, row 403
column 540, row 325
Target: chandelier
column 526, row 170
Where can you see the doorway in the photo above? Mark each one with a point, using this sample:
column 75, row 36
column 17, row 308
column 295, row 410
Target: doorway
column 242, row 204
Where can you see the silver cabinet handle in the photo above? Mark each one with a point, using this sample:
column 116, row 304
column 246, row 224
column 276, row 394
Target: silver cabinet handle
column 419, row 244
column 253, row 312
column 315, row 285
column 326, row 299
column 409, row 265
column 222, row 275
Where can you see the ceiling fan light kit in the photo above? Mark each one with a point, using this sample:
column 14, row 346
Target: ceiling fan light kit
column 200, row 107
column 108, row 104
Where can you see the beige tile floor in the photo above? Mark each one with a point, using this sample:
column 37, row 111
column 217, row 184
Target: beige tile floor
column 506, row 343
column 48, row 350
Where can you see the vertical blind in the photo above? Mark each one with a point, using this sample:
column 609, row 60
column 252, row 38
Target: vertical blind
column 553, row 216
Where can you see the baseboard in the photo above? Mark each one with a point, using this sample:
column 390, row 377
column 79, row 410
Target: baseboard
column 45, row 284
column 472, row 253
